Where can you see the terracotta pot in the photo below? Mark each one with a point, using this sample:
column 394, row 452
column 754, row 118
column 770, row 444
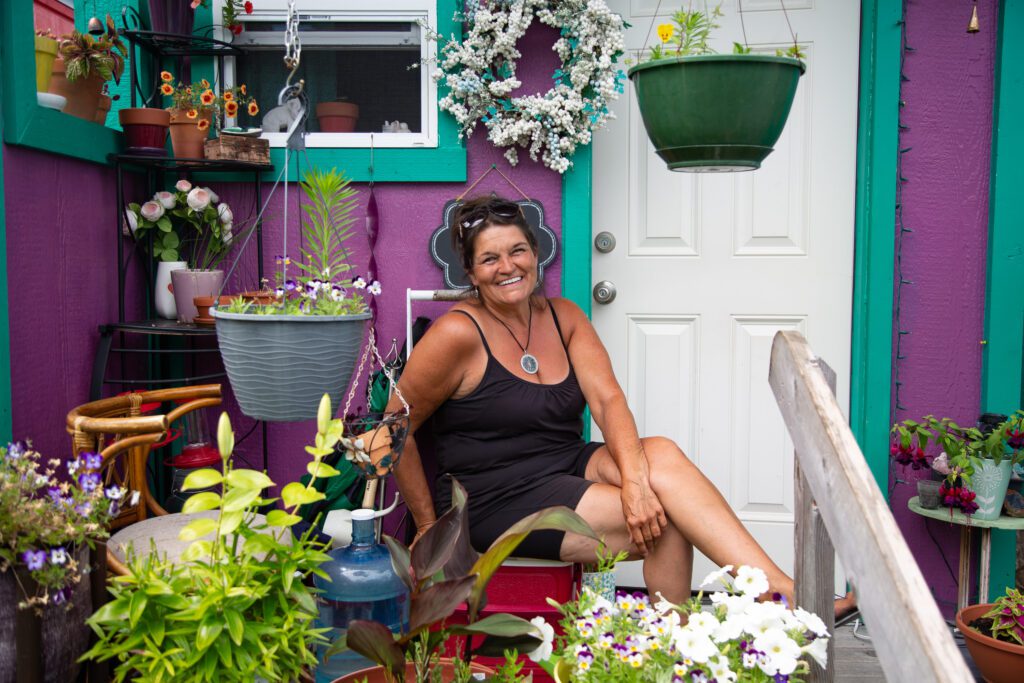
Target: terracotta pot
column 261, row 297
column 46, row 52
column 186, row 137
column 337, row 117
column 376, row 674
column 202, row 304
column 145, row 130
column 102, row 109
column 83, row 95
column 998, row 661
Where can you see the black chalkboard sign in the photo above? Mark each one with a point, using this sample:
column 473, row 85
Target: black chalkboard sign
column 455, row 276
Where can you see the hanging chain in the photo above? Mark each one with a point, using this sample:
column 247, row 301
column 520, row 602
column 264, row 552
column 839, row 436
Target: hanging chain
column 371, row 346
column 292, row 44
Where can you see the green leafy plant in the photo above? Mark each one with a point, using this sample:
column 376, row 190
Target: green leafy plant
column 442, row 571
column 237, row 604
column 324, row 285
column 606, row 561
column 46, row 518
column 1007, row 615
column 84, row 55
column 688, row 34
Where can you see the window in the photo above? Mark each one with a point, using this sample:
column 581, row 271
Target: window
column 364, row 53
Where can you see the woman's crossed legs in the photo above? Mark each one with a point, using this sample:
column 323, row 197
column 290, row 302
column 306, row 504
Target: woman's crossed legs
column 698, row 516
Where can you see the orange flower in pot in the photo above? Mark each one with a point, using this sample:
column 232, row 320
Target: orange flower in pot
column 194, row 109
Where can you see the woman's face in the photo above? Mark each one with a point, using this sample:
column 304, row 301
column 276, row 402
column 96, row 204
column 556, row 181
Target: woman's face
column 504, row 266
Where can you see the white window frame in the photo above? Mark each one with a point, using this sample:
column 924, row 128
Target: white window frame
column 359, row 10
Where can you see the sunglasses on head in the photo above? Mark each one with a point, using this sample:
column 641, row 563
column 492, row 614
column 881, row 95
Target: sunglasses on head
column 500, row 209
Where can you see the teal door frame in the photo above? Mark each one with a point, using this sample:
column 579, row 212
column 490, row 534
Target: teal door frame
column 1003, row 352
column 874, row 253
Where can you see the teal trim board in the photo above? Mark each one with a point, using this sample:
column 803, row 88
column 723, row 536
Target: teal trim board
column 24, row 121
column 874, row 250
column 1002, row 364
column 5, row 323
column 576, row 228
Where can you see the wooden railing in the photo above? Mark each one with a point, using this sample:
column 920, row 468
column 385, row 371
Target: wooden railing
column 839, row 503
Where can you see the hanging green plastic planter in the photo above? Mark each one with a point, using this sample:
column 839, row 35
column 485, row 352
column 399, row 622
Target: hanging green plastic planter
column 716, row 112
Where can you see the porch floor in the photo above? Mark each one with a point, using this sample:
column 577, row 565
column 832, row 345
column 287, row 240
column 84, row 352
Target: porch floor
column 856, row 661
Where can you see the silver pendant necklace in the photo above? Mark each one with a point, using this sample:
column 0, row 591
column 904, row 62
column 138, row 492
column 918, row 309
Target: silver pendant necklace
column 528, row 362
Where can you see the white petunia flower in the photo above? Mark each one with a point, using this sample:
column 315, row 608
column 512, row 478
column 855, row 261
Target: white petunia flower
column 543, row 651
column 751, row 581
column 694, row 644
column 811, row 621
column 716, row 576
column 702, row 622
column 818, row 650
column 781, row 652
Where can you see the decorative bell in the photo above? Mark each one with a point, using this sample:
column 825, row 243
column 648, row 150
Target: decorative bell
column 973, row 26
column 96, row 26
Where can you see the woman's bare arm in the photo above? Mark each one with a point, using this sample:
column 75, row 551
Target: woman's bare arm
column 437, row 370
column 643, row 511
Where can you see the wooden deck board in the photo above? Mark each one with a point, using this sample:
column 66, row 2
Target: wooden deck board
column 856, row 662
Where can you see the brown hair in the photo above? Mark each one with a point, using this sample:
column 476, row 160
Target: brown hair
column 480, row 213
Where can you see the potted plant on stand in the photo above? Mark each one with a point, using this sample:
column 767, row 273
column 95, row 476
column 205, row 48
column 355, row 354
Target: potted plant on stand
column 237, row 606
column 85, row 64
column 980, row 458
column 52, row 516
column 280, row 356
column 193, row 110
column 994, row 634
column 712, row 112
column 188, row 227
column 145, row 129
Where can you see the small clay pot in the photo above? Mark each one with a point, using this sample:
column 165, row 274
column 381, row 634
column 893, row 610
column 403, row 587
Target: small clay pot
column 203, row 304
column 83, row 95
column 145, row 130
column 337, row 117
column 187, row 138
column 261, row 297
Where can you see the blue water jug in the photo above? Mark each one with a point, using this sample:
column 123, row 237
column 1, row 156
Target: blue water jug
column 363, row 585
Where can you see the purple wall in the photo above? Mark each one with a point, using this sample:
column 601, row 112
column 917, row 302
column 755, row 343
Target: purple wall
column 949, row 113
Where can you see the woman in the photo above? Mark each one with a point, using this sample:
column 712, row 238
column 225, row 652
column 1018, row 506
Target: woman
column 505, row 376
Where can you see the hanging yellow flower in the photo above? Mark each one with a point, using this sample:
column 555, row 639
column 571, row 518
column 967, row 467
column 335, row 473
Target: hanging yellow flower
column 228, row 96
column 166, row 89
column 207, row 98
column 231, row 108
column 166, row 76
column 253, row 109
column 665, row 32
column 192, row 113
column 205, row 83
column 203, row 124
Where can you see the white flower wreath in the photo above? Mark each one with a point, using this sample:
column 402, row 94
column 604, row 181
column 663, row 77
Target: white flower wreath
column 480, row 72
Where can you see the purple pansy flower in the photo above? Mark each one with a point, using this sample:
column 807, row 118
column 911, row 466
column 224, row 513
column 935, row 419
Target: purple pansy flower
column 34, row 559
column 89, row 481
column 93, row 461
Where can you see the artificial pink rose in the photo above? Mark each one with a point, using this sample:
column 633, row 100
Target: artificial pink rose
column 225, row 234
column 131, row 222
column 166, row 199
column 213, row 195
column 152, row 211
column 183, row 185
column 198, row 199
column 224, row 212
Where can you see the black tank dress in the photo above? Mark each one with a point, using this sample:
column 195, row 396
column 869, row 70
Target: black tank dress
column 517, row 447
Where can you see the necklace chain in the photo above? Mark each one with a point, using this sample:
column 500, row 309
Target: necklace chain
column 529, row 328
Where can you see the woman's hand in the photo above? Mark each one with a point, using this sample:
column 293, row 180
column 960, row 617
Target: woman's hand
column 644, row 514
column 420, row 530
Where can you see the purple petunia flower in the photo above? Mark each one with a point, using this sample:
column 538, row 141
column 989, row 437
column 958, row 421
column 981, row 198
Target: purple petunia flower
column 34, row 559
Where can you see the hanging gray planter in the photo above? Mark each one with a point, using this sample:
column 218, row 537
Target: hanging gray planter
column 280, row 365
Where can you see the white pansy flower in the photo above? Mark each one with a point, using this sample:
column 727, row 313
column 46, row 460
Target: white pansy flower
column 751, row 581
column 716, row 576
column 543, row 651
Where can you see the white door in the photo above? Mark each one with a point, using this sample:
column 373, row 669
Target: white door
column 708, row 267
